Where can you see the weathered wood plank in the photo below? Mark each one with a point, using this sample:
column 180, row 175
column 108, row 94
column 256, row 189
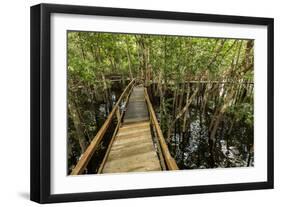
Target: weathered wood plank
column 132, row 151
column 139, row 124
column 134, row 130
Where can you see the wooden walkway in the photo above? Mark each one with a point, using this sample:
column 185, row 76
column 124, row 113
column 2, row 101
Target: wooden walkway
column 133, row 149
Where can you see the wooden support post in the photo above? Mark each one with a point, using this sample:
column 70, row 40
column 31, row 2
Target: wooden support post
column 118, row 115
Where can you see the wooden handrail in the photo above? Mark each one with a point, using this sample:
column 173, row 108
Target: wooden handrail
column 85, row 158
column 170, row 161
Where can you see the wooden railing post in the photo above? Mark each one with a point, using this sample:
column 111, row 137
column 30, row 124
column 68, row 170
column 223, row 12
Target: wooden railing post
column 170, row 162
column 118, row 115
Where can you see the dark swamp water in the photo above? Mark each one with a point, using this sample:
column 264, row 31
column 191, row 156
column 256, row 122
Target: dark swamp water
column 189, row 145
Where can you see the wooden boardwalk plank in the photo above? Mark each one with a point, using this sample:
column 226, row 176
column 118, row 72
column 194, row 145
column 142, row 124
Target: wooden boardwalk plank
column 137, row 108
column 133, row 149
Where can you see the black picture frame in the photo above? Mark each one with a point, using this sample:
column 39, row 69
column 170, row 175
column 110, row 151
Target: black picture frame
column 41, row 96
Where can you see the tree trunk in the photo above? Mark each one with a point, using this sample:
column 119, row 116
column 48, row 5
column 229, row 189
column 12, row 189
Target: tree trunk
column 186, row 112
column 184, row 109
column 250, row 153
column 77, row 124
column 105, row 88
column 129, row 61
column 81, row 47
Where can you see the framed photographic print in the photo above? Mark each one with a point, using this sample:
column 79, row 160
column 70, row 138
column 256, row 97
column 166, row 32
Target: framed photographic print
column 132, row 103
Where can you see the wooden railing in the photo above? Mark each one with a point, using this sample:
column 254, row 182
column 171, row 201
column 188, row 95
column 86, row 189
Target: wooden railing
column 86, row 156
column 169, row 160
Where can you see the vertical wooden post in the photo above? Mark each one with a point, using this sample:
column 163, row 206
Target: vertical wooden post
column 118, row 115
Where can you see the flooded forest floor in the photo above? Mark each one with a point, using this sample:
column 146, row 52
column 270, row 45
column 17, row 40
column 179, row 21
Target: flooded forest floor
column 188, row 137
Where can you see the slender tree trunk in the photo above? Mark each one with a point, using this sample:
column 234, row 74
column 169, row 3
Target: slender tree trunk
column 129, row 60
column 184, row 109
column 77, row 124
column 81, row 47
column 186, row 112
column 250, row 154
column 106, row 92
